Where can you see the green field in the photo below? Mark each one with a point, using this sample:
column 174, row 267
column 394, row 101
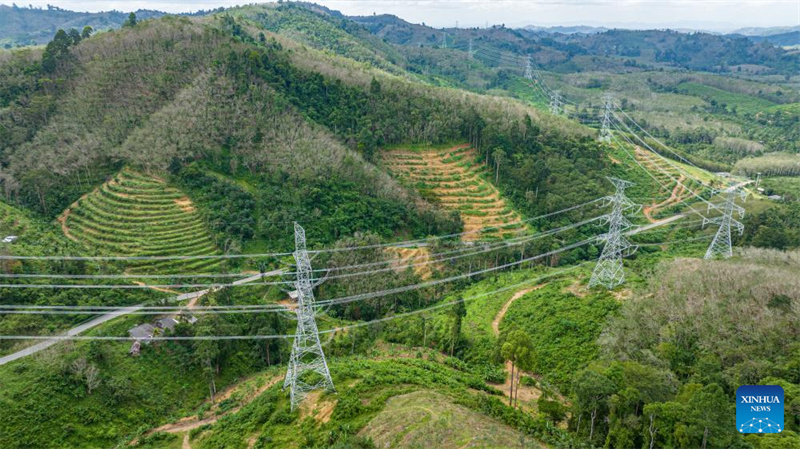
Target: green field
column 427, row 418
column 743, row 103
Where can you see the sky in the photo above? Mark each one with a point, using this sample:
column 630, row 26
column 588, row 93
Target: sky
column 712, row 15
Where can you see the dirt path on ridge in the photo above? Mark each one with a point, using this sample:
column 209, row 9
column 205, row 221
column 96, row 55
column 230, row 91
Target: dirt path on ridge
column 64, row 228
column 526, row 393
column 187, row 424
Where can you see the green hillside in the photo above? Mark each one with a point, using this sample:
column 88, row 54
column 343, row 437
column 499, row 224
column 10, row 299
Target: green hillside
column 139, row 215
column 20, row 26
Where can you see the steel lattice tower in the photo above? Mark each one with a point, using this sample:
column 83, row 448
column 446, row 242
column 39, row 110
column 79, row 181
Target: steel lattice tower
column 721, row 245
column 609, row 271
column 605, row 130
column 308, row 369
column 528, row 68
column 555, row 103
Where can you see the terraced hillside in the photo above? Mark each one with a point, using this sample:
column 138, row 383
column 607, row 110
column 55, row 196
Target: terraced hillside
column 454, row 179
column 669, row 181
column 138, row 215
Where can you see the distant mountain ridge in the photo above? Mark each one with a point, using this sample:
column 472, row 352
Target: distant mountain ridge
column 21, row 26
column 783, row 39
column 576, row 29
column 765, row 31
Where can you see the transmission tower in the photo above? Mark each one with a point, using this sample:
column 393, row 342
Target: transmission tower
column 308, row 369
column 605, row 130
column 444, row 40
column 528, row 68
column 555, row 103
column 470, row 52
column 721, row 245
column 609, row 271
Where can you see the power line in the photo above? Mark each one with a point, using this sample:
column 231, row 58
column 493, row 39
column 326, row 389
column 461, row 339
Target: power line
column 664, row 186
column 370, row 295
column 332, row 330
column 479, row 250
column 287, row 336
column 656, row 153
column 322, row 251
column 488, row 248
column 679, row 169
column 656, row 140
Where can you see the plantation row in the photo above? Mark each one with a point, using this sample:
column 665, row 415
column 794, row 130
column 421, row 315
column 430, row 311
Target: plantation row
column 457, row 182
column 136, row 215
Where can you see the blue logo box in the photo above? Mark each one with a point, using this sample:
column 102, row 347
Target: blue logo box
column 759, row 409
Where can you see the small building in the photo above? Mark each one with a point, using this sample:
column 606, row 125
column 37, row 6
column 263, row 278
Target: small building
column 142, row 332
column 166, row 323
column 775, row 197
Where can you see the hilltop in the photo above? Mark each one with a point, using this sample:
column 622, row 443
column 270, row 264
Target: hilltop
column 35, row 26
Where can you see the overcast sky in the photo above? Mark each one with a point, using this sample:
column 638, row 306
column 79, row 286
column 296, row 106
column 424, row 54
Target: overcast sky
column 718, row 15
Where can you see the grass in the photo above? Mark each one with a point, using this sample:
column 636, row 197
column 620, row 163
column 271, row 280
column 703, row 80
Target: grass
column 791, row 108
column 782, row 185
column 426, row 418
column 138, row 215
column 742, row 103
column 373, row 397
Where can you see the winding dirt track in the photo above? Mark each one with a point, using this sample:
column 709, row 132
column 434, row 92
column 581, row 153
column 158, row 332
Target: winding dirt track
column 185, row 425
column 526, row 393
column 674, row 197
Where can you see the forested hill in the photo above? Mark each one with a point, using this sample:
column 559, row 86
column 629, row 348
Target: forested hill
column 228, row 95
column 34, row 26
column 694, row 51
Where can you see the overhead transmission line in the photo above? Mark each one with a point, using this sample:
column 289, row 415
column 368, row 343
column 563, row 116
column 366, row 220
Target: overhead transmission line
column 661, row 183
column 666, row 160
column 260, row 309
column 369, row 295
column 474, row 251
column 260, row 255
column 287, row 336
column 644, row 142
column 470, row 248
column 239, row 309
column 656, row 140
